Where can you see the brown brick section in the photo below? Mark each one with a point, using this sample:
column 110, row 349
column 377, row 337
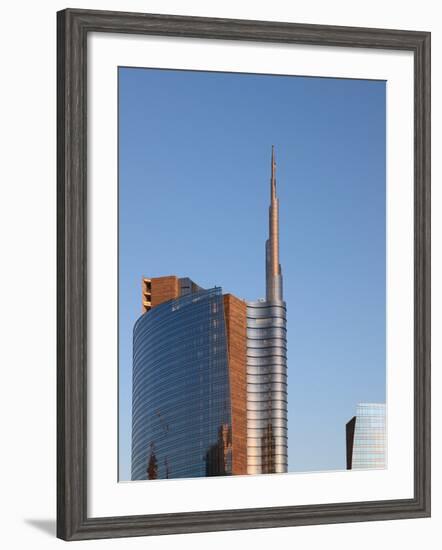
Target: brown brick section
column 236, row 324
column 164, row 289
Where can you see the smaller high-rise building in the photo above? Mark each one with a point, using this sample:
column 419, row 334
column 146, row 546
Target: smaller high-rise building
column 366, row 437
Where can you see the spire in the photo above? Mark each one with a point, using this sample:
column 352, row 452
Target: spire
column 274, row 220
column 273, row 269
column 273, row 176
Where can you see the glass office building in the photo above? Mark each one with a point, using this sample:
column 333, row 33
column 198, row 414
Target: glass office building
column 181, row 420
column 267, row 360
column 366, row 437
column 266, row 388
column 209, row 392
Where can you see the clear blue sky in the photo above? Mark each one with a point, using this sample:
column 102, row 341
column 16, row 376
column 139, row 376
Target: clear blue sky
column 194, row 162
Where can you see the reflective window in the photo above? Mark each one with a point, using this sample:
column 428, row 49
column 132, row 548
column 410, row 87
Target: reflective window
column 370, row 437
column 181, row 421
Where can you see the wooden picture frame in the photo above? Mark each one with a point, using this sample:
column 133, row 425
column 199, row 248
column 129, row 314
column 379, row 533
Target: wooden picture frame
column 74, row 25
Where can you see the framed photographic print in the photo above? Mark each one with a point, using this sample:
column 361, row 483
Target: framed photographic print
column 243, row 274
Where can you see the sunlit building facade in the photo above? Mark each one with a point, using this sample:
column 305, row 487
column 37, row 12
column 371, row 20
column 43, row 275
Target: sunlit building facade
column 209, row 388
column 182, row 414
column 366, row 437
column 267, row 361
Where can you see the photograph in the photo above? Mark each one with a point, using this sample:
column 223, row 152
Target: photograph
column 243, row 273
column 251, row 274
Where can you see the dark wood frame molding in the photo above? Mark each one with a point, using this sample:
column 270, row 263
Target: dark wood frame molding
column 73, row 28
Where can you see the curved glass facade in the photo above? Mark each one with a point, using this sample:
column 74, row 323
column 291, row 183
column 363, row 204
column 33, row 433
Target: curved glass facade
column 266, row 388
column 181, row 412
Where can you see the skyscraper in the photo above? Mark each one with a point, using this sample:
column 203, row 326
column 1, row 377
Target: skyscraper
column 210, row 376
column 366, row 437
column 267, row 360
